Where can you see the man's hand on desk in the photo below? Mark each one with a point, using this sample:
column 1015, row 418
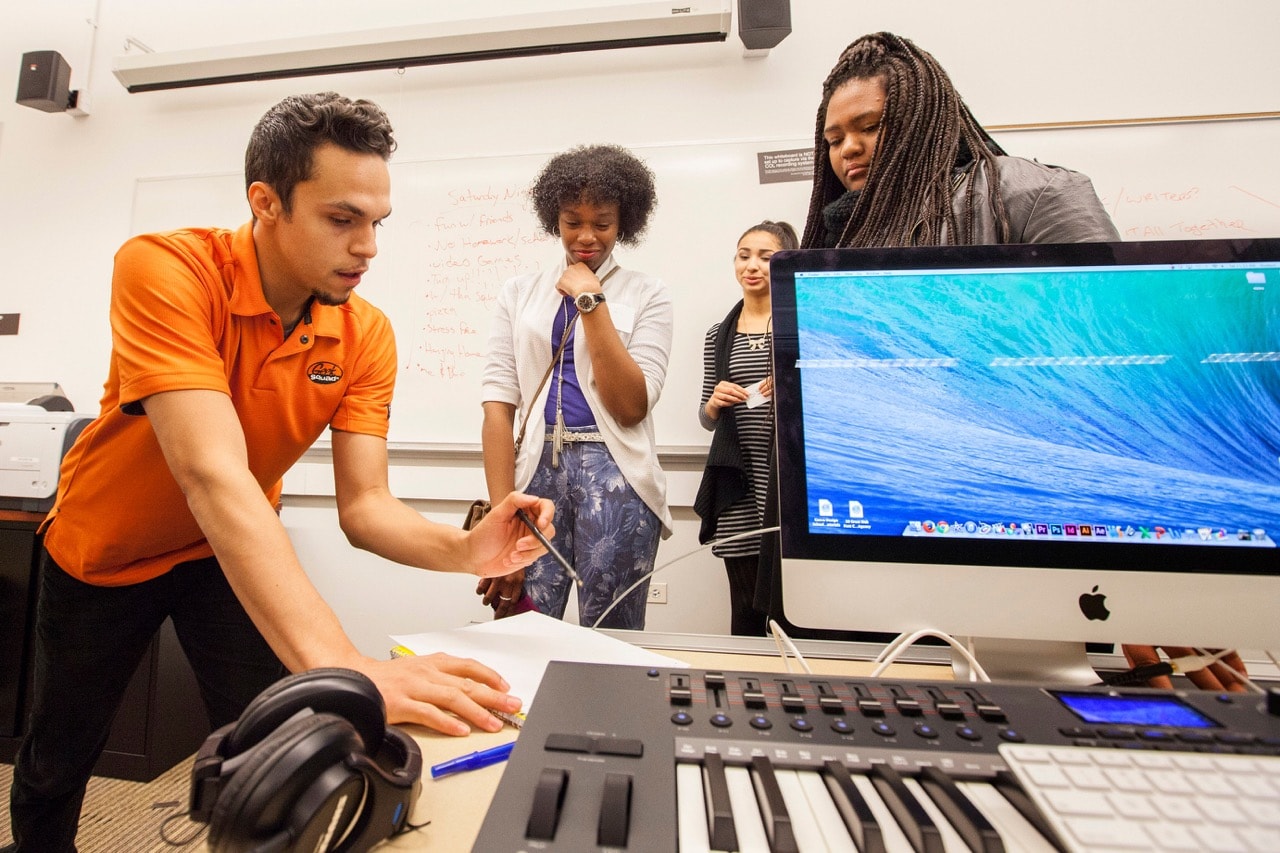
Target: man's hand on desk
column 430, row 690
column 1217, row 677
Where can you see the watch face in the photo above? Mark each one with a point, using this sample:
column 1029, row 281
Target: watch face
column 587, row 302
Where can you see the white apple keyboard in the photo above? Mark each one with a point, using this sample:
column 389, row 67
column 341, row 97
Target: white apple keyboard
column 1100, row 800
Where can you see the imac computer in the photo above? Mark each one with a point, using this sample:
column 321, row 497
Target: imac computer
column 1041, row 445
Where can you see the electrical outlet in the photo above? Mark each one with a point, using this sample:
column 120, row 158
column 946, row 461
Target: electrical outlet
column 657, row 593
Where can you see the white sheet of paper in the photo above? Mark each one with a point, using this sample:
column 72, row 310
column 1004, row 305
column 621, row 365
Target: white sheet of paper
column 520, row 647
column 754, row 397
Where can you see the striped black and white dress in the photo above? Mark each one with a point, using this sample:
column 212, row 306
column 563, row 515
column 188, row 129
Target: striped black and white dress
column 755, row 435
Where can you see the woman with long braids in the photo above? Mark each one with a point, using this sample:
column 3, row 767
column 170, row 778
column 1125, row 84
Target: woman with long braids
column 579, row 350
column 900, row 161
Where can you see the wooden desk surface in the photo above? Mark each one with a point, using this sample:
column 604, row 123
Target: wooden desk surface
column 456, row 805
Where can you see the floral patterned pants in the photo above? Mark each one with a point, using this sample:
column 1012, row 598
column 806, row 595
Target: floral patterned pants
column 603, row 529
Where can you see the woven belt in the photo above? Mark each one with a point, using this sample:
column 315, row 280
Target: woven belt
column 569, row 436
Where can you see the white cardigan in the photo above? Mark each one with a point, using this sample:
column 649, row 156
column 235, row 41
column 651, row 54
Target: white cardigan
column 520, row 350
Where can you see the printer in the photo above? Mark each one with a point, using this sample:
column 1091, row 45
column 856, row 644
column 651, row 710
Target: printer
column 34, row 436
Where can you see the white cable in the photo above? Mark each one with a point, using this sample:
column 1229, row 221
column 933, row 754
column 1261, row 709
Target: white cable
column 903, row 642
column 618, row 599
column 1216, row 657
column 777, row 641
column 892, row 646
column 886, row 658
column 782, row 640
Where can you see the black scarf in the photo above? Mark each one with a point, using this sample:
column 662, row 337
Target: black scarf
column 835, row 216
column 724, row 481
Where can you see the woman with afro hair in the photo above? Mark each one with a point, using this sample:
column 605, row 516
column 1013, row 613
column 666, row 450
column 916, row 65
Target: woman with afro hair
column 588, row 440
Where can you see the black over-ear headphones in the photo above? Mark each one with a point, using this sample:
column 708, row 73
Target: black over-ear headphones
column 310, row 765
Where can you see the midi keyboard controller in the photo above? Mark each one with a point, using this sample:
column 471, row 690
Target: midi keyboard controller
column 664, row 759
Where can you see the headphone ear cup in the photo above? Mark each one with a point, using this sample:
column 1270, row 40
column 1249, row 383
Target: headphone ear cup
column 394, row 783
column 206, row 774
column 333, row 690
column 270, row 799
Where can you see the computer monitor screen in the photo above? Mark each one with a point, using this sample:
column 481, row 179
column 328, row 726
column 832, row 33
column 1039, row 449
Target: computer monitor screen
column 1043, row 442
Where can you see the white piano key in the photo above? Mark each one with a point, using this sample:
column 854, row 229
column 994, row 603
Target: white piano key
column 916, row 823
column 746, row 814
column 803, row 821
column 965, row 817
column 773, row 806
column 1018, row 835
column 849, row 803
column 951, row 840
column 824, row 811
column 716, row 799
column 691, row 815
column 894, row 839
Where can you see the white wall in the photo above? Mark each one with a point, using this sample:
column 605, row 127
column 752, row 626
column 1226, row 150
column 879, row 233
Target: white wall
column 68, row 183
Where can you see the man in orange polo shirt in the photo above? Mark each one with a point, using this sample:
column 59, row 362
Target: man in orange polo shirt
column 231, row 353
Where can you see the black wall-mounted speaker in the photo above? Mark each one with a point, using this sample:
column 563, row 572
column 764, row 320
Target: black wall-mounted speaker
column 763, row 23
column 44, row 81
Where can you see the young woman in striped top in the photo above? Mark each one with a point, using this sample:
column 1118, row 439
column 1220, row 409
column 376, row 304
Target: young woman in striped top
column 737, row 404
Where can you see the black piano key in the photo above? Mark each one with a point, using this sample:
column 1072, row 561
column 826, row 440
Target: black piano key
column 615, row 811
column 1007, row 784
column 548, row 799
column 965, row 817
column 921, row 831
column 724, row 836
column 777, row 822
column 853, row 808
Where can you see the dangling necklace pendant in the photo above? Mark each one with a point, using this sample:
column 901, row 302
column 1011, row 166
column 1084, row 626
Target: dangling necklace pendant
column 759, row 343
column 557, row 440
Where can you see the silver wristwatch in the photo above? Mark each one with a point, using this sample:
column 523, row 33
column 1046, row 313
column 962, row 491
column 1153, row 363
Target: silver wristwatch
column 587, row 302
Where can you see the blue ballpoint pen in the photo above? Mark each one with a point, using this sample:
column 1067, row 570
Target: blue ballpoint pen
column 473, row 760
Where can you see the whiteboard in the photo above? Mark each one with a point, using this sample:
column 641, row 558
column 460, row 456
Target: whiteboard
column 1173, row 181
column 460, row 227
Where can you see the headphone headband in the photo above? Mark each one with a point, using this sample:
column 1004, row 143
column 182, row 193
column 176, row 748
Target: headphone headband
column 312, row 761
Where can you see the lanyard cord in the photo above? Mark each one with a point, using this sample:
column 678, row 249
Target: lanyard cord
column 557, row 433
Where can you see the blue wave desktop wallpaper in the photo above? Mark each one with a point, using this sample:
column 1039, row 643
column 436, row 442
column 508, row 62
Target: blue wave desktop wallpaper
column 1131, row 399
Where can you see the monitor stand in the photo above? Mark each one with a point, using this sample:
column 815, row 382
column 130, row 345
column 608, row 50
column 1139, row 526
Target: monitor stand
column 1027, row 661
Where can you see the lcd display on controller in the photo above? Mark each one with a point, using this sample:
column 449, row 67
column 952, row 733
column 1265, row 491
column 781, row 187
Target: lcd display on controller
column 1128, row 709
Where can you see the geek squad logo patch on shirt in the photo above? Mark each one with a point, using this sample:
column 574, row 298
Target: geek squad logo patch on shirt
column 324, row 372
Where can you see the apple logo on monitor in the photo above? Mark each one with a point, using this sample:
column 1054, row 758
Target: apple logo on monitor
column 1094, row 605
